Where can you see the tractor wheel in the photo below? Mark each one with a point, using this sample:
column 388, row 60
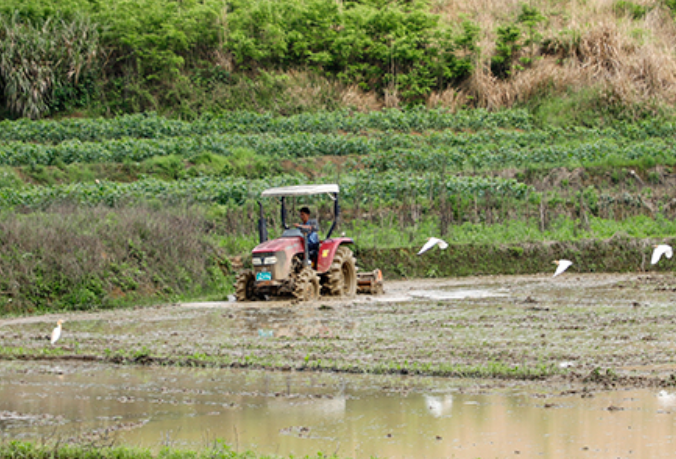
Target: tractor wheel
column 244, row 286
column 307, row 285
column 342, row 275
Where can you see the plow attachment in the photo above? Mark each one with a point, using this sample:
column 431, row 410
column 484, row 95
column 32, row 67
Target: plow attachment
column 370, row 283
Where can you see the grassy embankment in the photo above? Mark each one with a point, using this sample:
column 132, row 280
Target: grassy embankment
column 103, row 213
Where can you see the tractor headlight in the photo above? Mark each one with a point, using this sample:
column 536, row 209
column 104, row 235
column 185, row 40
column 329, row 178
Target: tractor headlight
column 256, row 261
column 269, row 260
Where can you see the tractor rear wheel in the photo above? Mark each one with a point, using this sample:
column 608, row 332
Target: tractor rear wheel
column 342, row 275
column 245, row 286
column 307, row 285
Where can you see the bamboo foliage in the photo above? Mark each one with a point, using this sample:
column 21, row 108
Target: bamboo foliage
column 37, row 58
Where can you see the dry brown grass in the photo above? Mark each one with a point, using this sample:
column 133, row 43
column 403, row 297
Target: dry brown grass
column 354, row 97
column 629, row 61
column 450, row 98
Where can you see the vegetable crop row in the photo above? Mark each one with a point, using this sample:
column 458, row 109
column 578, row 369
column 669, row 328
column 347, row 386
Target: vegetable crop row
column 152, row 126
column 149, row 125
column 379, row 152
column 495, row 157
column 361, row 186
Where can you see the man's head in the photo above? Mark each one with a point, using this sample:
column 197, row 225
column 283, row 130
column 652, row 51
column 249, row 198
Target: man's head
column 304, row 214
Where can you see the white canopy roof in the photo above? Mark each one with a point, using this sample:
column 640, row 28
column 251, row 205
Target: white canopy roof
column 301, row 190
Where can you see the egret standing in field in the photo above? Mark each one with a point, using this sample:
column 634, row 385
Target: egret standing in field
column 56, row 333
column 431, row 242
column 660, row 250
column 562, row 266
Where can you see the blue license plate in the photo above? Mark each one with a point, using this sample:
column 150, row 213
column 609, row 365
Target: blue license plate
column 263, row 276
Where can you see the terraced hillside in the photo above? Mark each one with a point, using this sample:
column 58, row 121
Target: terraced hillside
column 99, row 212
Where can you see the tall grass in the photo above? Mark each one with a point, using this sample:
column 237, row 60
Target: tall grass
column 83, row 258
column 39, row 61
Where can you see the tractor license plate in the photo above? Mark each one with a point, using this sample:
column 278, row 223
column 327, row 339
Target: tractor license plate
column 263, row 276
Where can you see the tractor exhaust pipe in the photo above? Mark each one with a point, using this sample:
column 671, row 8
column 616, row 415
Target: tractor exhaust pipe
column 262, row 226
column 336, row 215
column 283, row 211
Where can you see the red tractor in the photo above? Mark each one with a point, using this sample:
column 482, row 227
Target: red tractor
column 286, row 267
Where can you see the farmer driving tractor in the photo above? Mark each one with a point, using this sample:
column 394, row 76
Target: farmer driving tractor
column 311, row 227
column 297, row 263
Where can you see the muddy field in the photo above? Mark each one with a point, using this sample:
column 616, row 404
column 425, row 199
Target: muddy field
column 607, row 330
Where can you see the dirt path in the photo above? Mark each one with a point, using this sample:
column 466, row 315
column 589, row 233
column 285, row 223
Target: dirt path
column 612, row 329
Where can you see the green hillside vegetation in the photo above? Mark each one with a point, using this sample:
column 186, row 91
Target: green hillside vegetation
column 580, row 61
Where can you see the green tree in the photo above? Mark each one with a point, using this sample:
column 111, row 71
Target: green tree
column 507, row 48
column 530, row 17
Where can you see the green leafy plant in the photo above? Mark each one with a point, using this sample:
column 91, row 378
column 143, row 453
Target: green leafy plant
column 629, row 8
column 507, row 47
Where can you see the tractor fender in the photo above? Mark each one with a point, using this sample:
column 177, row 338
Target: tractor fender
column 327, row 250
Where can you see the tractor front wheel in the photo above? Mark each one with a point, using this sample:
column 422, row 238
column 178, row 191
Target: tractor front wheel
column 307, row 285
column 341, row 279
column 245, row 286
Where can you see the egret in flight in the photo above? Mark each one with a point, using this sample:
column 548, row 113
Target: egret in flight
column 562, row 266
column 431, row 242
column 660, row 250
column 56, row 333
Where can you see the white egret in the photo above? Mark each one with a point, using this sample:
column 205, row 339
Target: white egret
column 56, row 333
column 562, row 266
column 431, row 242
column 660, row 250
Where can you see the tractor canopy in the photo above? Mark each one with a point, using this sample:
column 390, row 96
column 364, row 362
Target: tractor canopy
column 283, row 192
column 301, row 190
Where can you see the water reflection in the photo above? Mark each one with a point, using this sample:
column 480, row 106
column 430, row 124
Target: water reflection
column 439, row 406
column 354, row 416
column 308, row 322
column 666, row 399
column 455, row 294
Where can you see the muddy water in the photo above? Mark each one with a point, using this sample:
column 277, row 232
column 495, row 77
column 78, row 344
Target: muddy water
column 351, row 415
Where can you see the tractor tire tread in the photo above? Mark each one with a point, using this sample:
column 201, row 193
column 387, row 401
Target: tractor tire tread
column 336, row 276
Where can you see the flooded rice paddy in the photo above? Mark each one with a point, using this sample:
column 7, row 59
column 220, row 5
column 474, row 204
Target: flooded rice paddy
column 353, row 416
column 576, row 366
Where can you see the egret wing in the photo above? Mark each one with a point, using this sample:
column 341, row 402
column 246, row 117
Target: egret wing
column 562, row 266
column 431, row 242
column 657, row 254
column 660, row 250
